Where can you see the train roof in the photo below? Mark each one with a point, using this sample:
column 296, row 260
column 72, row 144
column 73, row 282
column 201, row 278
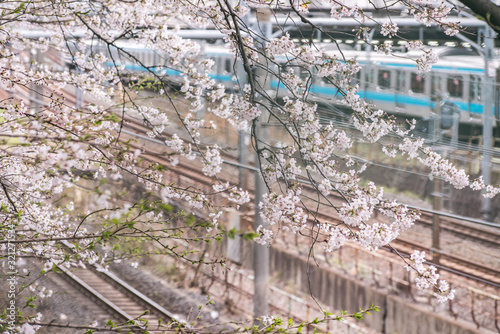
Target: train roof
column 449, row 60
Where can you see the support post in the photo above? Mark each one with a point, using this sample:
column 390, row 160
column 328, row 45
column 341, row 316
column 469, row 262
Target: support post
column 242, row 157
column 488, row 95
column 261, row 252
column 234, row 244
column 36, row 91
column 436, row 221
column 78, row 94
column 243, row 136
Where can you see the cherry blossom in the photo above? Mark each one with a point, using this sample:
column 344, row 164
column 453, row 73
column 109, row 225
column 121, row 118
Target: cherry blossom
column 55, row 148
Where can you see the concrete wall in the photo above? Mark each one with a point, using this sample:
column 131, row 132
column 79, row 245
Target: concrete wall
column 396, row 316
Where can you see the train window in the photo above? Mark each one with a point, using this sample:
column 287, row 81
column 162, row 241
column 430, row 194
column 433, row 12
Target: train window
column 475, row 88
column 384, row 78
column 401, row 81
column 455, row 86
column 228, row 66
column 417, row 83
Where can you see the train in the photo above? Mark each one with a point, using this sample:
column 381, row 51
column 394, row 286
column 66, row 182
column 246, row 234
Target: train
column 391, row 83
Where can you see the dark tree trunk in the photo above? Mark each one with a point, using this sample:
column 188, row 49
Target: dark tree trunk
column 487, row 10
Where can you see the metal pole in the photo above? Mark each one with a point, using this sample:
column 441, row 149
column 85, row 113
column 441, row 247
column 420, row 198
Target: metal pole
column 78, row 93
column 488, row 94
column 261, row 252
column 368, row 67
column 243, row 138
column 242, row 157
column 200, row 113
column 260, row 256
column 36, row 91
column 436, row 227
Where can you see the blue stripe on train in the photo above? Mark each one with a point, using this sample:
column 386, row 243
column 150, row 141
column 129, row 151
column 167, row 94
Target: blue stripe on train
column 372, row 96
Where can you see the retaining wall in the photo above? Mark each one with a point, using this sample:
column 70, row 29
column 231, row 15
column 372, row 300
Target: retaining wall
column 396, row 316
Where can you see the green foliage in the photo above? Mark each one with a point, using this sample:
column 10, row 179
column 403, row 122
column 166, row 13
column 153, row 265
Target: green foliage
column 29, row 301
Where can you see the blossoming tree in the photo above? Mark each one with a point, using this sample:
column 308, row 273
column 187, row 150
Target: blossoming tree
column 51, row 145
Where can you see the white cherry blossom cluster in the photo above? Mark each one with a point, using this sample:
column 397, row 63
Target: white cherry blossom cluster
column 236, row 109
column 383, row 48
column 428, row 277
column 179, row 146
column 154, row 117
column 193, row 198
column 443, row 168
column 424, row 64
column 411, row 147
column 389, row 29
column 293, row 82
column 277, row 166
column 265, row 236
column 342, row 71
column 335, row 236
column 284, row 210
column 58, row 142
column 361, row 205
column 413, row 45
column 212, row 161
column 280, row 46
column 376, row 235
column 239, row 196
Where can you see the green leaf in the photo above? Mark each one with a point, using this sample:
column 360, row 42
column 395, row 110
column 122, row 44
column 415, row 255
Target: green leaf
column 29, row 301
column 249, row 236
column 231, row 234
column 358, row 316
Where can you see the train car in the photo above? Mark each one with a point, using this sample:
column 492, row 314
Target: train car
column 391, row 83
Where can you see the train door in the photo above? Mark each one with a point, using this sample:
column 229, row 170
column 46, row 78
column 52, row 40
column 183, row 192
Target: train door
column 367, row 80
column 437, row 90
column 456, row 91
column 474, row 98
column 455, row 87
column 401, row 87
column 384, row 84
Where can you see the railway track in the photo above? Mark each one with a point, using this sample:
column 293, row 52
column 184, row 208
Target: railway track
column 462, row 229
column 126, row 304
column 449, row 262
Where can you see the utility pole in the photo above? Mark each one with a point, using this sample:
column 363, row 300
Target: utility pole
column 436, row 221
column 200, row 113
column 36, row 91
column 243, row 137
column 78, row 93
column 261, row 252
column 488, row 96
column 437, row 194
